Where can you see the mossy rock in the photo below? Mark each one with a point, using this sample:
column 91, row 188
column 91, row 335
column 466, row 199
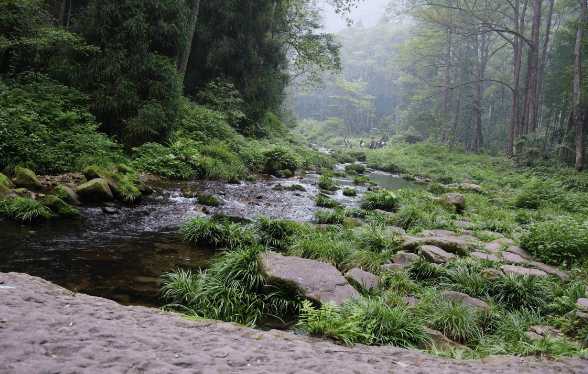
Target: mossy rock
column 4, row 192
column 59, row 207
column 350, row 192
column 94, row 172
column 5, row 181
column 26, row 178
column 124, row 188
column 96, row 190
column 123, row 169
column 67, row 194
column 209, row 200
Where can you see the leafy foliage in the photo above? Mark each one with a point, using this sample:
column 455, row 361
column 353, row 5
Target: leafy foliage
column 383, row 199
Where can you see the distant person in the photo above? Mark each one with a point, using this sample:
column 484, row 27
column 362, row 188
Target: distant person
column 361, row 143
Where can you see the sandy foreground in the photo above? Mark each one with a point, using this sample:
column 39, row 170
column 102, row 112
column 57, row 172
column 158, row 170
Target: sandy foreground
column 47, row 329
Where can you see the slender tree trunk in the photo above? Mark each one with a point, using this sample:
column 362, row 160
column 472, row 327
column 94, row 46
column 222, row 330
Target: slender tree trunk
column 577, row 116
column 531, row 108
column 477, row 100
column 515, row 124
column 544, row 55
column 62, row 13
column 184, row 55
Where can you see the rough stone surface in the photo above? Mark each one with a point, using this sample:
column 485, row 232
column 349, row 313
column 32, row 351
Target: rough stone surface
column 440, row 341
column 67, row 194
column 455, row 200
column 485, row 256
column 436, row 254
column 582, row 305
column 405, row 259
column 96, row 190
column 497, row 245
column 519, row 251
column 364, row 279
column 47, row 329
column 26, row 178
column 317, row 280
column 452, row 244
column 393, row 267
column 519, row 270
column 459, row 297
column 513, row 258
column 492, row 274
column 550, row 270
column 539, row 332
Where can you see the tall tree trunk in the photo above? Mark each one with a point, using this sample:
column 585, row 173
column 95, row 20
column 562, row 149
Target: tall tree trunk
column 62, row 7
column 544, row 54
column 531, row 108
column 184, row 55
column 477, row 100
column 515, row 123
column 578, row 114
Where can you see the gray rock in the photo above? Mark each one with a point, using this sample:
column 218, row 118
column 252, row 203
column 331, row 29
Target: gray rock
column 67, row 194
column 459, row 297
column 540, row 332
column 498, row 245
column 26, row 178
column 405, row 259
column 440, row 341
column 452, row 244
column 96, row 190
column 564, row 276
column 519, row 270
column 455, row 200
column 485, row 256
column 582, row 315
column 492, row 274
column 363, row 279
column 392, row 268
column 519, row 251
column 436, row 254
column 513, row 258
column 582, row 305
column 410, row 300
column 109, row 210
column 316, row 280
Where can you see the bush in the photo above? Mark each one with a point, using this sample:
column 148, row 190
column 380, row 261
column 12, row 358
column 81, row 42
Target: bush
column 219, row 162
column 559, row 241
column 277, row 233
column 330, row 217
column 328, row 322
column 323, row 246
column 48, row 127
column 383, row 199
column 280, row 159
column 376, row 237
column 160, row 160
column 208, row 200
column 327, row 183
column 25, row 210
column 233, row 289
column 361, row 180
column 521, row 292
column 350, row 192
column 216, row 233
column 324, row 201
column 355, row 169
column 457, row 321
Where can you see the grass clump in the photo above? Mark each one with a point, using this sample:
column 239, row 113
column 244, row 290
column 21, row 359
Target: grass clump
column 521, row 292
column 330, row 217
column 457, row 321
column 559, row 241
column 361, row 180
column 233, row 289
column 349, row 192
column 325, row 201
column 208, row 200
column 465, row 275
column 327, row 246
column 383, row 199
column 328, row 322
column 278, row 234
column 327, row 183
column 26, row 210
column 426, row 272
column 217, row 233
column 377, row 237
column 280, row 161
column 355, row 169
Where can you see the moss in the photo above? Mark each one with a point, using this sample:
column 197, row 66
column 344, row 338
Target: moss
column 350, row 192
column 27, row 178
column 94, row 171
column 208, row 200
column 60, row 207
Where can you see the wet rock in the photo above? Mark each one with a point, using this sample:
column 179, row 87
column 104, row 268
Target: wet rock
column 405, row 259
column 93, row 172
column 316, row 280
column 110, row 210
column 436, row 254
column 513, row 258
column 492, row 274
column 519, row 251
column 26, row 178
column 455, row 200
column 23, row 192
column 540, row 332
column 564, row 276
column 96, row 190
column 459, row 297
column 440, row 341
column 519, row 270
column 485, row 256
column 365, row 280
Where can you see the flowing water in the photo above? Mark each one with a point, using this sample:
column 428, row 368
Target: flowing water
column 122, row 254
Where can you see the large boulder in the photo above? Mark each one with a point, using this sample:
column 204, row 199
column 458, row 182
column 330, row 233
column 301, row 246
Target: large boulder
column 363, row 279
column 582, row 305
column 458, row 297
column 513, row 258
column 564, row 276
column 405, row 259
column 96, row 190
column 67, row 194
column 449, row 243
column 498, row 245
column 484, row 256
column 436, row 254
column 316, row 280
column 437, row 340
column 26, row 178
column 454, row 200
column 519, row 270
column 518, row 251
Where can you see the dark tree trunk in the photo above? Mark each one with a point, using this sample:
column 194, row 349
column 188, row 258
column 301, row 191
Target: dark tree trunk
column 184, row 55
column 578, row 112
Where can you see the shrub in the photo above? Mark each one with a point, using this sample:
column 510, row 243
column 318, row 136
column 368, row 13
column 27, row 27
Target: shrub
column 233, row 289
column 328, row 322
column 280, row 159
column 355, row 169
column 323, row 246
column 208, row 200
column 457, row 321
column 465, row 275
column 324, row 201
column 350, row 192
column 534, row 194
column 218, row 161
column 25, row 210
column 157, row 159
column 330, row 217
column 216, row 233
column 376, row 237
column 521, row 292
column 361, row 180
column 424, row 271
column 278, row 233
column 383, row 199
column 562, row 240
column 327, row 183
column 60, row 207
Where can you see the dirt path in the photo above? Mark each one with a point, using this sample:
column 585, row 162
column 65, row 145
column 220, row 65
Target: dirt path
column 47, row 329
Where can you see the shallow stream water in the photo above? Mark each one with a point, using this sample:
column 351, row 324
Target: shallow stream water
column 122, row 254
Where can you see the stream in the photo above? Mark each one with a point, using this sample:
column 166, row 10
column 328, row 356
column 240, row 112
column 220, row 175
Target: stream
column 120, row 253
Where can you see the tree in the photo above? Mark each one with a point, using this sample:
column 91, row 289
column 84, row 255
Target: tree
column 578, row 111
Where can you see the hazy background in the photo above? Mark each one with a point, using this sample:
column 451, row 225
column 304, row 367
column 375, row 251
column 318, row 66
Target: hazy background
column 367, row 14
